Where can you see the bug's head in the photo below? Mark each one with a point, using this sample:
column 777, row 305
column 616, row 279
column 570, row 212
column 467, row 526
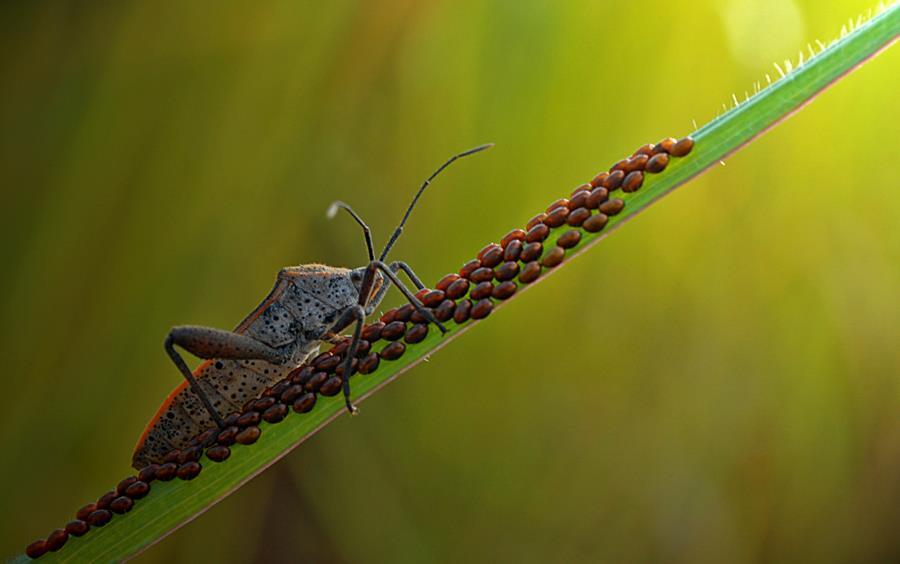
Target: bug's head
column 357, row 276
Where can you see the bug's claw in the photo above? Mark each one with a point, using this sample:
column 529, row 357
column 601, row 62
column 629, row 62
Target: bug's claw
column 352, row 408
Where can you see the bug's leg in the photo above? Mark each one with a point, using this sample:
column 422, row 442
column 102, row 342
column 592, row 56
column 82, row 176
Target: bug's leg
column 386, row 270
column 394, row 266
column 357, row 314
column 400, row 265
column 207, row 343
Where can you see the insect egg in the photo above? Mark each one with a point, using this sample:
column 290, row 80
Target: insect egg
column 637, row 163
column 36, row 549
column 463, row 311
column 121, row 504
column 444, row 312
column 531, row 252
column 106, row 499
column 633, row 181
column 372, row 332
column 227, row 435
column 483, row 274
column 248, row 419
column 530, row 273
column 99, row 518
column 416, row 333
column 536, row 220
column 435, row 297
column 537, row 233
column 482, row 309
column 598, row 180
column 82, row 513
column 404, row 312
column 57, row 539
column 569, row 239
column 612, row 207
column 339, row 371
column 614, row 180
column 279, row 387
column 331, row 362
column 388, row 316
column 137, row 490
column 393, row 330
column 586, row 187
column 507, row 271
column 305, row 403
column 445, row 282
column 458, row 289
column 513, row 250
column 331, row 386
column 645, row 150
column 247, row 436
column 557, row 217
column 665, row 146
column 191, row 470
column 491, row 255
column 369, row 364
column 262, row 404
column 123, row 485
column 504, row 290
column 595, row 223
column 201, row 438
column 577, row 217
column 482, row 291
column 657, row 163
column 315, row 381
column 287, row 396
column 514, row 235
column 340, row 348
column 470, row 267
column 362, row 348
column 597, row 197
column 393, row 351
column 218, row 453
column 166, row 471
column 554, row 257
column 77, row 528
column 275, row 413
column 579, row 199
column 619, row 166
column 231, row 418
column 560, row 203
column 682, row 147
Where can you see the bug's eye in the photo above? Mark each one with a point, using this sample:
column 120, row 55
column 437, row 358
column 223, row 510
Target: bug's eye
column 355, row 276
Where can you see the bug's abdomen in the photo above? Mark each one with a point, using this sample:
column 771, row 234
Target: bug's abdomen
column 228, row 383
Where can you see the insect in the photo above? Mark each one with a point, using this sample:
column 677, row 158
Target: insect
column 309, row 305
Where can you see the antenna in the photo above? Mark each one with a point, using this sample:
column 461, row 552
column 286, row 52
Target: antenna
column 333, row 210
column 396, row 234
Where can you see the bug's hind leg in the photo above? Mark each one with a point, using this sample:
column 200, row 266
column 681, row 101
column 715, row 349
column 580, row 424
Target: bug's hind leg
column 207, row 343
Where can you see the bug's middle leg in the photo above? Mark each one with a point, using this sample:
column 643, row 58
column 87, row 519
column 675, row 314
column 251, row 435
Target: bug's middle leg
column 208, row 343
column 355, row 314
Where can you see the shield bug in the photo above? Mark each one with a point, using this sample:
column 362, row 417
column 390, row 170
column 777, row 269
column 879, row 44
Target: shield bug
column 309, row 305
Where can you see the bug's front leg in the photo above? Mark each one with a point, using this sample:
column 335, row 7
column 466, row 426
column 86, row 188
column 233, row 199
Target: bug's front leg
column 208, row 343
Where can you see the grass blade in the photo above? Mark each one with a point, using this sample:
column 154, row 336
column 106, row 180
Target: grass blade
column 172, row 504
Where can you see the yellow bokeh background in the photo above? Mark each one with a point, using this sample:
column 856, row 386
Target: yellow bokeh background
column 718, row 381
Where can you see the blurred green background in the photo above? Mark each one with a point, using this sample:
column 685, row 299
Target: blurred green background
column 718, row 381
